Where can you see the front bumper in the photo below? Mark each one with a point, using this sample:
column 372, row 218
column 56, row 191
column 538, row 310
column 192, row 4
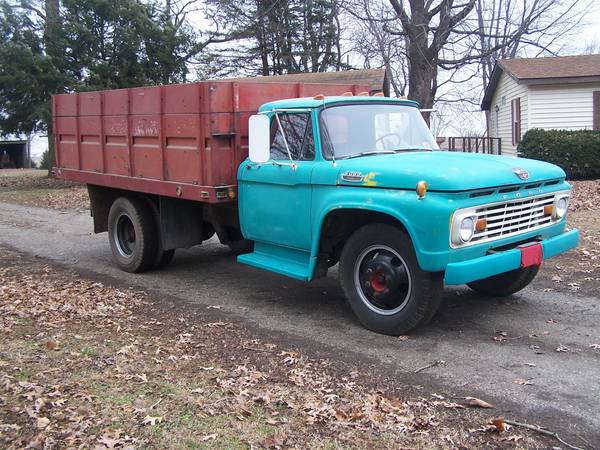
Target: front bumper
column 496, row 263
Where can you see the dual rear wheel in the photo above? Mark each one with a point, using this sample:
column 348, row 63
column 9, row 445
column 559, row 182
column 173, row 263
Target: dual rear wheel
column 134, row 237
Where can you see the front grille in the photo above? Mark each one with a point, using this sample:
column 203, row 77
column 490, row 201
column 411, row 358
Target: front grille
column 512, row 217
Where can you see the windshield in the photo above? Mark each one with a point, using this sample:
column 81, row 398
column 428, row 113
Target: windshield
column 361, row 129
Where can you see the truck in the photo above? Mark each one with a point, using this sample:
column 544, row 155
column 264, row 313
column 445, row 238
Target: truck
column 300, row 177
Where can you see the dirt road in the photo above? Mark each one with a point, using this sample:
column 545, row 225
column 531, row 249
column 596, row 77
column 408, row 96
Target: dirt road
column 535, row 355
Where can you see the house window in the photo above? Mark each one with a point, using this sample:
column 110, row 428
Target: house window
column 596, row 110
column 515, row 114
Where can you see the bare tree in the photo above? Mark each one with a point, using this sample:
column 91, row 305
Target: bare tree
column 374, row 46
column 445, row 36
column 507, row 28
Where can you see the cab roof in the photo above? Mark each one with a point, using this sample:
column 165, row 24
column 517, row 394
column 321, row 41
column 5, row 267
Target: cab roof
column 310, row 102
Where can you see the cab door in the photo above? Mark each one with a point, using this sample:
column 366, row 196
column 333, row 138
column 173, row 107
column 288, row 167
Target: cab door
column 275, row 197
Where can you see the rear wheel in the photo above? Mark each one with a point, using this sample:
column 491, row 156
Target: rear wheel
column 386, row 288
column 132, row 235
column 505, row 284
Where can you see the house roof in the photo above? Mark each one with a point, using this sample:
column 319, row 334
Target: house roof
column 550, row 70
column 375, row 78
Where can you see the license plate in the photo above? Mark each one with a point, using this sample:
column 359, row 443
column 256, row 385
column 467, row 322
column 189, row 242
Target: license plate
column 531, row 255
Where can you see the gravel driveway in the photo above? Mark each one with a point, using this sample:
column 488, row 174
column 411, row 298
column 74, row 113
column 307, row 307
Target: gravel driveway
column 534, row 355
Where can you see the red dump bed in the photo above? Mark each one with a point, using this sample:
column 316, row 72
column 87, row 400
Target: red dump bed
column 184, row 140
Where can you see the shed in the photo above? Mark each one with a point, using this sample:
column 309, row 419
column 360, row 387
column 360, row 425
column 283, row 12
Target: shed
column 13, row 154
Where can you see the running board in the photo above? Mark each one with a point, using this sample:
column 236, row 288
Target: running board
column 282, row 260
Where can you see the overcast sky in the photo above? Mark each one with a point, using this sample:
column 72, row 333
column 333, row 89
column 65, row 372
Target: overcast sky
column 590, row 35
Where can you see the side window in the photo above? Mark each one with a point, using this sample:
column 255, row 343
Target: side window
column 297, row 129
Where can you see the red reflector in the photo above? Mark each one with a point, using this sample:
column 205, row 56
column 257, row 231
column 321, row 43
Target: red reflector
column 531, row 255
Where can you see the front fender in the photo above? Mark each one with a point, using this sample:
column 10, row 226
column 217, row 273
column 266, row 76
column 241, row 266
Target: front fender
column 426, row 220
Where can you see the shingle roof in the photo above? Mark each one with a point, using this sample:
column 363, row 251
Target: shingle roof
column 549, row 70
column 552, row 67
column 372, row 77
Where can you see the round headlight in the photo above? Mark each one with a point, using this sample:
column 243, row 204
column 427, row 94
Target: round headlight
column 561, row 207
column 467, row 227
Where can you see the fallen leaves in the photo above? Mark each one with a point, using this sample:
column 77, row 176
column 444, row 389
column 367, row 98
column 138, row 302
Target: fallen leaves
column 476, row 402
column 152, row 420
column 130, row 386
column 42, row 422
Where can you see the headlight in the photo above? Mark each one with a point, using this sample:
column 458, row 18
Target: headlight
column 467, row 227
column 463, row 229
column 560, row 207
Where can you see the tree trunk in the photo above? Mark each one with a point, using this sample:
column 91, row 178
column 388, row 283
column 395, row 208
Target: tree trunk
column 53, row 49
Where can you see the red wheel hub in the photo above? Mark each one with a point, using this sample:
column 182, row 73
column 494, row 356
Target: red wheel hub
column 377, row 280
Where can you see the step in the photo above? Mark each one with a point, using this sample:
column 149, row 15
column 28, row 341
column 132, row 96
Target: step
column 286, row 261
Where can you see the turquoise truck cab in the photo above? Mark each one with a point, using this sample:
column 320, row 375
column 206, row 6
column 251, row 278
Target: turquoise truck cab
column 361, row 181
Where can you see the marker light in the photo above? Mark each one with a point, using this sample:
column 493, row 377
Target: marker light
column 481, row 225
column 363, row 94
column 421, row 188
column 347, row 94
column 319, row 97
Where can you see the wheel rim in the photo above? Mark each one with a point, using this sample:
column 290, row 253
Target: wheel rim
column 124, row 236
column 382, row 279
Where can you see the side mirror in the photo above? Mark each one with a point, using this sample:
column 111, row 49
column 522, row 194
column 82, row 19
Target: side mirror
column 259, row 138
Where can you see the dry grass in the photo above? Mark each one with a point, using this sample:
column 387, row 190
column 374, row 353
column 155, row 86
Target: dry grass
column 87, row 365
column 31, row 187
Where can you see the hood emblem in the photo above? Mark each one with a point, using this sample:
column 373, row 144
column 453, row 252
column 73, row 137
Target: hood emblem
column 521, row 173
column 353, row 177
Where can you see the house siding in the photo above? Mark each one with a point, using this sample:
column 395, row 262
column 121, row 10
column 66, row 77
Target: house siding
column 501, row 126
column 562, row 106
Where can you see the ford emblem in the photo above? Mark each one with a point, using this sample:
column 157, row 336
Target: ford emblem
column 521, row 173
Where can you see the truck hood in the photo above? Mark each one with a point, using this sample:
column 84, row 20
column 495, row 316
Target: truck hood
column 443, row 171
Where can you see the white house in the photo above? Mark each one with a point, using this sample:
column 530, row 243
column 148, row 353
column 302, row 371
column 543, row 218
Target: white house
column 561, row 92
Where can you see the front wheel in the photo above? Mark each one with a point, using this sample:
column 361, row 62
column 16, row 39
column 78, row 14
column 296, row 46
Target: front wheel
column 382, row 280
column 505, row 284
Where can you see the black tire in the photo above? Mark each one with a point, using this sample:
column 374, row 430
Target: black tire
column 414, row 294
column 132, row 235
column 505, row 284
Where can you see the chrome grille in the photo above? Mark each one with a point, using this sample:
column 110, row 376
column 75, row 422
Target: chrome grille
column 512, row 217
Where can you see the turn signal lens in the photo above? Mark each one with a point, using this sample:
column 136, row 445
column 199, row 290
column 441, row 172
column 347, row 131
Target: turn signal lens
column 548, row 210
column 481, row 225
column 421, row 188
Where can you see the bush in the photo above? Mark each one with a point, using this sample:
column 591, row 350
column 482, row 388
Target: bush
column 576, row 152
column 45, row 160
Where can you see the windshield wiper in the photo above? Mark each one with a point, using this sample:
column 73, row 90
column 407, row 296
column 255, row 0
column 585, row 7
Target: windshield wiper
column 372, row 152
